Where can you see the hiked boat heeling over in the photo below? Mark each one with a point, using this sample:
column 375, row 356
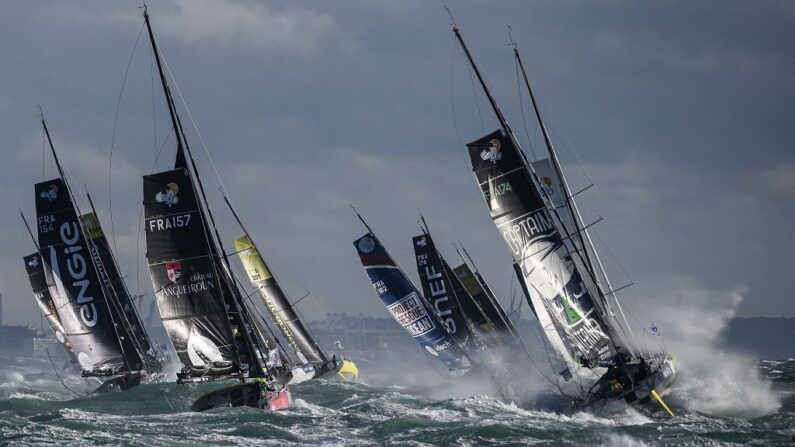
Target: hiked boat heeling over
column 476, row 324
column 312, row 362
column 558, row 266
column 408, row 306
column 206, row 317
column 86, row 301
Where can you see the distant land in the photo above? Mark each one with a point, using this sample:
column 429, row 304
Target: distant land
column 760, row 337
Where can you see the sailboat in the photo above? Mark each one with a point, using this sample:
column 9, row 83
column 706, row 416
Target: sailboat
column 207, row 318
column 309, row 360
column 408, row 306
column 598, row 363
column 87, row 302
column 450, row 301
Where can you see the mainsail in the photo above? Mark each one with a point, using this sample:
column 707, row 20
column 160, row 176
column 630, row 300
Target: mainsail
column 562, row 291
column 564, row 306
column 406, row 304
column 80, row 300
column 279, row 307
column 186, row 279
column 205, row 315
column 450, row 302
column 43, row 296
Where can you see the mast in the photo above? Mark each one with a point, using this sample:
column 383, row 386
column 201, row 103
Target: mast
column 574, row 211
column 527, row 166
column 86, row 237
column 213, row 237
column 172, row 110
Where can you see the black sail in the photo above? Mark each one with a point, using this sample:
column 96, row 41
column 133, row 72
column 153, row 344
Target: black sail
column 80, row 301
column 439, row 291
column 551, row 275
column 495, row 315
column 43, row 296
column 183, row 267
column 134, row 337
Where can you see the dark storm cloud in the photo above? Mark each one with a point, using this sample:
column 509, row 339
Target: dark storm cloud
column 679, row 112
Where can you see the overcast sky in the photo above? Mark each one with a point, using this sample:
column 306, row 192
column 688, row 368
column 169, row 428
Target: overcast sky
column 680, row 112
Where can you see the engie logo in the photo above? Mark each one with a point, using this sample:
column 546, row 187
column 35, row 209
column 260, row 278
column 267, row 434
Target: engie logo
column 77, row 269
column 169, row 196
column 174, row 271
column 50, row 194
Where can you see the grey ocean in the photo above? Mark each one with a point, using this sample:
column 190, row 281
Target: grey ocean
column 35, row 409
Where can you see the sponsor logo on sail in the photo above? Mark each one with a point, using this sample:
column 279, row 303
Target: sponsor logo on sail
column 439, row 297
column 422, row 242
column 50, row 194
column 77, row 269
column 366, row 244
column 546, row 185
column 174, row 271
column 410, row 313
column 197, row 282
column 169, row 196
column 493, row 153
column 34, row 262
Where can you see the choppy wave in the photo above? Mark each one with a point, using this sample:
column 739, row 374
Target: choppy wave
column 36, row 410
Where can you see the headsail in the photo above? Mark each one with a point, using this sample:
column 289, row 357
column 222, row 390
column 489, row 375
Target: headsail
column 278, row 305
column 136, row 338
column 80, row 301
column 43, row 295
column 406, row 304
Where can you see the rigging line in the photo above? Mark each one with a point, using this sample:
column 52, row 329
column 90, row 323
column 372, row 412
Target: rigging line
column 113, row 138
column 141, row 220
column 461, row 146
column 477, row 103
column 52, row 364
column 521, row 104
column 224, row 190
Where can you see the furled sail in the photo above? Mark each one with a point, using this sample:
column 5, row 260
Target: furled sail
column 80, row 301
column 406, row 304
column 183, row 269
column 456, row 310
column 279, row 307
column 564, row 306
column 43, row 295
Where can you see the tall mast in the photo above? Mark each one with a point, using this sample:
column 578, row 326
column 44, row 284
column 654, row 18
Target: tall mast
column 172, row 110
column 214, row 238
column 87, row 238
column 532, row 173
column 572, row 204
column 573, row 210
